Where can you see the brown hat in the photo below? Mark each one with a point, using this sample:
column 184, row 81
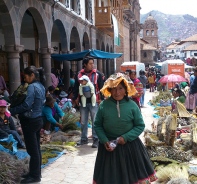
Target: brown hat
column 49, row 100
column 113, row 82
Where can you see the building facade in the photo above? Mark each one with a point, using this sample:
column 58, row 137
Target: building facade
column 149, row 42
column 150, row 31
column 31, row 30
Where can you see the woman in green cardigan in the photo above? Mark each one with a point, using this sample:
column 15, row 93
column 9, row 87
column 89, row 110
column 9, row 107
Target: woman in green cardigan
column 122, row 157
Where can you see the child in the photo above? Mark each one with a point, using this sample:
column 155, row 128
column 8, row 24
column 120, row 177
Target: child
column 86, row 90
column 7, row 125
column 65, row 103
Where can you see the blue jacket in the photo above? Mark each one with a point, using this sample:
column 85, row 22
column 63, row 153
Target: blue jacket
column 47, row 112
column 33, row 103
column 193, row 87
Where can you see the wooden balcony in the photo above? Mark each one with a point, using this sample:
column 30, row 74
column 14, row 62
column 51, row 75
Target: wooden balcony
column 103, row 20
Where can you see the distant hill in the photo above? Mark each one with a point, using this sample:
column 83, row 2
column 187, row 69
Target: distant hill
column 173, row 27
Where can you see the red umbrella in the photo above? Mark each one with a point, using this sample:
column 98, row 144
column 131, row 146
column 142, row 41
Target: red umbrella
column 172, row 78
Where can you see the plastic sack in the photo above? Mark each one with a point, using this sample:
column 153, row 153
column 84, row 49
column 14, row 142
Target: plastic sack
column 164, row 103
column 9, row 139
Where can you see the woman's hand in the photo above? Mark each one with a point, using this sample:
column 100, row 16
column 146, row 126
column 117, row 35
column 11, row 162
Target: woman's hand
column 108, row 147
column 121, row 140
column 59, row 125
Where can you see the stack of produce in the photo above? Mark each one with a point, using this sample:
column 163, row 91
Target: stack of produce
column 69, row 121
column 11, row 168
column 161, row 111
column 182, row 111
column 163, row 95
column 166, row 129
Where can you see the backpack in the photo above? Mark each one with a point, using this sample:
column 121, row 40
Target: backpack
column 19, row 95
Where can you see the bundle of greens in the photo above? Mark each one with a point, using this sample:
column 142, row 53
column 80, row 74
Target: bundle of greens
column 69, row 121
column 11, row 168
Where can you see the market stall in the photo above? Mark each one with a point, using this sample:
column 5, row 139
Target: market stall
column 172, row 142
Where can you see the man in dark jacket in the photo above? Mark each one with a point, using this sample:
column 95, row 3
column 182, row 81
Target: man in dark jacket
column 144, row 81
column 96, row 78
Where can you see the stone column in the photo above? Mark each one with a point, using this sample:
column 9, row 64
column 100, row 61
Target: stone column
column 100, row 65
column 104, row 67
column 66, row 71
column 79, row 65
column 108, row 63
column 46, row 62
column 14, row 65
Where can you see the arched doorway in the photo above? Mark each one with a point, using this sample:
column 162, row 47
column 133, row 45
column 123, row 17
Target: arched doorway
column 103, row 60
column 75, row 46
column 9, row 46
column 112, row 62
column 85, row 43
column 99, row 61
column 60, row 45
column 107, row 63
column 33, row 36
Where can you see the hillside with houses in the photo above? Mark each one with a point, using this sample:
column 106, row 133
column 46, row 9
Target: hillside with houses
column 173, row 27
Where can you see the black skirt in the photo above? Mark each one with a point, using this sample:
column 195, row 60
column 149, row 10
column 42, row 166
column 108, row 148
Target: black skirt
column 127, row 164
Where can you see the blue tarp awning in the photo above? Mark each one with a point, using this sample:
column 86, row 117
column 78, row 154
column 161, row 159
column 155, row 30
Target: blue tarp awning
column 96, row 54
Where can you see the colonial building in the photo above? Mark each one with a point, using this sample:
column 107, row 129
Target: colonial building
column 148, row 52
column 31, row 30
column 150, row 31
column 171, row 50
column 149, row 43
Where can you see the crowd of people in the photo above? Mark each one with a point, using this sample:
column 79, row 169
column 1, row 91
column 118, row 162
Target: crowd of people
column 115, row 102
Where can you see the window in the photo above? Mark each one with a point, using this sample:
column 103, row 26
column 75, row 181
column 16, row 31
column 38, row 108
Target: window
column 152, row 32
column 195, row 54
column 75, row 5
column 147, row 33
column 145, row 54
column 88, row 10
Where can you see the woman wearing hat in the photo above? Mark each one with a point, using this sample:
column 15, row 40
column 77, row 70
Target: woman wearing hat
column 51, row 114
column 7, row 125
column 119, row 120
column 30, row 115
column 178, row 95
column 65, row 103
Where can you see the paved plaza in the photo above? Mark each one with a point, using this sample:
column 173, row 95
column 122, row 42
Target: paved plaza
column 78, row 167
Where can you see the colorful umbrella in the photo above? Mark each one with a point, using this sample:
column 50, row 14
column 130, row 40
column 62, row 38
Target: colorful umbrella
column 172, row 78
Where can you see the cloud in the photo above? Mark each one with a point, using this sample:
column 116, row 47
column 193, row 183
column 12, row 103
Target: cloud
column 174, row 7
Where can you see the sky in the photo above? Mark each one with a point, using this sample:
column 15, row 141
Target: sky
column 174, row 7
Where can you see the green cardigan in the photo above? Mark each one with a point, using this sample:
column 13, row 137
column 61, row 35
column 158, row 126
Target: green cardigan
column 108, row 125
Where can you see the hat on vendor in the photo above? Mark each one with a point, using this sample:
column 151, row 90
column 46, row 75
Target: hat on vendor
column 49, row 100
column 114, row 80
column 63, row 94
column 3, row 103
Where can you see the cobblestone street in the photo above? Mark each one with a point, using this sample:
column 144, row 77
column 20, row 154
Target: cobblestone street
column 78, row 167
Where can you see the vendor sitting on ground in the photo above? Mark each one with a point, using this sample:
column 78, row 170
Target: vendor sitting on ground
column 178, row 95
column 65, row 103
column 51, row 115
column 7, row 125
column 53, row 92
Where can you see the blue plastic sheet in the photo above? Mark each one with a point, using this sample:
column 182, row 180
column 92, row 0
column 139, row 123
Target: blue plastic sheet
column 9, row 139
column 156, row 116
column 77, row 56
column 23, row 154
column 51, row 160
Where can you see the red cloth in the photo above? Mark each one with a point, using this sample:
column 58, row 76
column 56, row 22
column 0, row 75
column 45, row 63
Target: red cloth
column 136, row 83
